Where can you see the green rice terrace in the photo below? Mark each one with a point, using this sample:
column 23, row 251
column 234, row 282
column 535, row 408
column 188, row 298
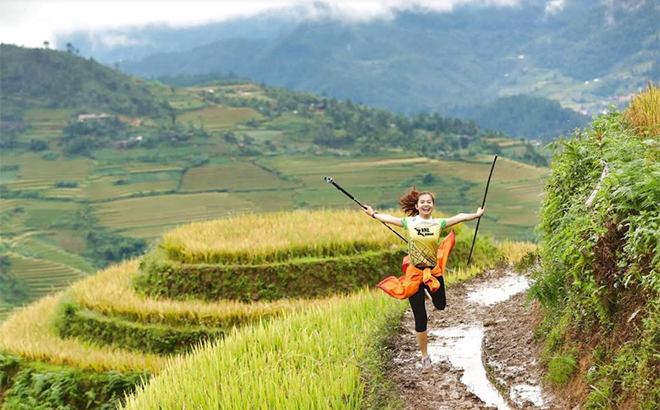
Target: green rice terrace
column 88, row 345
column 87, row 181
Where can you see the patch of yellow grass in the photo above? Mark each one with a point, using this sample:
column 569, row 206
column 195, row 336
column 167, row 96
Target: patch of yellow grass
column 644, row 112
column 27, row 333
column 219, row 117
column 278, row 237
column 515, row 251
column 110, row 292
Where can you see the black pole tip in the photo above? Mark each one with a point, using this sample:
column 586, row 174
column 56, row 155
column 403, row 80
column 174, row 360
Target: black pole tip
column 328, row 180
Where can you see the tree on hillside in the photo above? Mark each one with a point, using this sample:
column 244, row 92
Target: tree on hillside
column 71, row 49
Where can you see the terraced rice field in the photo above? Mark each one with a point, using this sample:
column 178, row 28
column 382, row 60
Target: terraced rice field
column 29, row 334
column 132, row 184
column 513, row 196
column 262, row 136
column 219, row 117
column 41, row 276
column 37, row 248
column 8, row 176
column 19, row 215
column 269, row 201
column 45, row 124
column 38, row 173
column 288, row 122
column 232, row 176
column 64, row 193
column 376, row 171
column 185, row 101
column 169, row 210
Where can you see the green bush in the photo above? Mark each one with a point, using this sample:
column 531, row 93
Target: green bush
column 29, row 385
column 73, row 321
column 66, row 184
column 561, row 368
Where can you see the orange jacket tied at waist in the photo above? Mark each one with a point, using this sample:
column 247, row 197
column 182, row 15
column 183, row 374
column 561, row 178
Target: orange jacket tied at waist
column 407, row 285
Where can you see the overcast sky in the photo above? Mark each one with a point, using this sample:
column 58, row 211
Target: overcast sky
column 31, row 22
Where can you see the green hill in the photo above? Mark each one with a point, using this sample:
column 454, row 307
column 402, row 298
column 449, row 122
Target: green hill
column 52, row 79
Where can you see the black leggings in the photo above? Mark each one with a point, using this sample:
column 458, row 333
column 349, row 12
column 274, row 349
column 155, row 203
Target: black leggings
column 417, row 304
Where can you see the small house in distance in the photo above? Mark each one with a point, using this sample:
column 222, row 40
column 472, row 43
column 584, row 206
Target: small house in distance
column 85, row 117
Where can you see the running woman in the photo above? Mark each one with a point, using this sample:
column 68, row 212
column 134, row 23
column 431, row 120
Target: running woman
column 423, row 243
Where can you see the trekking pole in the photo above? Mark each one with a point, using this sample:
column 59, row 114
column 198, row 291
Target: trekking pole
column 329, row 180
column 483, row 204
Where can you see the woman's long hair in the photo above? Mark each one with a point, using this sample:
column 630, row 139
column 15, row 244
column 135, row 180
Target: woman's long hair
column 409, row 200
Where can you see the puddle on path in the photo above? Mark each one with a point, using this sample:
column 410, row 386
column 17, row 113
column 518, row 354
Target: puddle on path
column 462, row 346
column 499, row 290
column 525, row 392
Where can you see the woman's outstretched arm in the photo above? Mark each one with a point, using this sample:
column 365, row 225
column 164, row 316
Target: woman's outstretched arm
column 392, row 220
column 456, row 219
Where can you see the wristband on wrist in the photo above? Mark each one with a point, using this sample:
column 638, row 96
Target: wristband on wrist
column 374, row 215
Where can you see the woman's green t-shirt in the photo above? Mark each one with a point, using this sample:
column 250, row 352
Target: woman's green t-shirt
column 423, row 239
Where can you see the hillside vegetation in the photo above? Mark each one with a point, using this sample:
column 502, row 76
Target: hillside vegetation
column 599, row 279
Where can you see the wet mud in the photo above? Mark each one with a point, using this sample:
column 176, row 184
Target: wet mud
column 483, row 350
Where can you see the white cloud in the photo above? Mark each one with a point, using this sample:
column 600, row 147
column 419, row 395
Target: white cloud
column 30, row 22
column 554, row 6
column 111, row 40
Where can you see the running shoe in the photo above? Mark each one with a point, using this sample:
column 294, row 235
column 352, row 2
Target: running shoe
column 426, row 363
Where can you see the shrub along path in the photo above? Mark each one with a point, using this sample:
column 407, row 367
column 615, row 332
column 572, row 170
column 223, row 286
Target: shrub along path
column 475, row 322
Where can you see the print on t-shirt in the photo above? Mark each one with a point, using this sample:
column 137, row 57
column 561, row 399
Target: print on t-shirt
column 424, row 237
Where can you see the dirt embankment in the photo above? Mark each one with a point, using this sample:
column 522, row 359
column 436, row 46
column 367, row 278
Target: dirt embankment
column 487, row 322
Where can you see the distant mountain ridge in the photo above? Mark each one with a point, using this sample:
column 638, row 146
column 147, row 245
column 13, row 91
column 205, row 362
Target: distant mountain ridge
column 587, row 56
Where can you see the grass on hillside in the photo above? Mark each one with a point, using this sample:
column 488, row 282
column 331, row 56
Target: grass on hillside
column 40, row 248
column 281, row 236
column 119, row 186
column 168, row 210
column 42, row 276
column 27, row 333
column 45, row 124
column 370, row 171
column 38, row 173
column 644, row 112
column 110, row 292
column 232, row 176
column 269, row 201
column 309, row 361
column 219, row 117
column 22, row 215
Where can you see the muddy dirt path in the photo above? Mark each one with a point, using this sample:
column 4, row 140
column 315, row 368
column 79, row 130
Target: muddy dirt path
column 487, row 321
